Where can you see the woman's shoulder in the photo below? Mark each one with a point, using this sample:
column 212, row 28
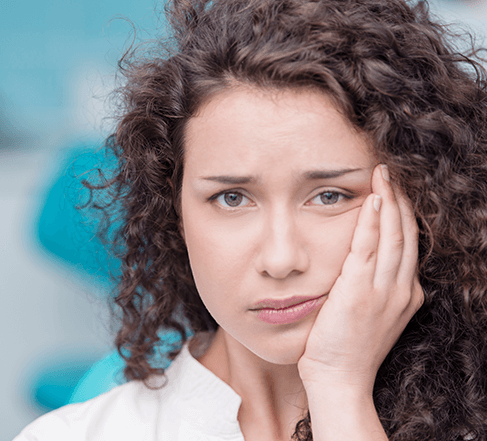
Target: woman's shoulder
column 177, row 404
column 115, row 414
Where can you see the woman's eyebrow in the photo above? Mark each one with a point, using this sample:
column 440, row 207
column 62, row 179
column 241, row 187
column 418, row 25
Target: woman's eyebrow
column 309, row 175
column 328, row 174
column 231, row 180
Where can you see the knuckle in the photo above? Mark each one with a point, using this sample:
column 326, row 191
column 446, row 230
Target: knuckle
column 419, row 295
column 368, row 256
column 403, row 302
column 365, row 253
column 420, row 303
column 415, row 297
column 397, row 239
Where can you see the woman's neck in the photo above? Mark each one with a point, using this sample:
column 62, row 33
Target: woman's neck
column 273, row 396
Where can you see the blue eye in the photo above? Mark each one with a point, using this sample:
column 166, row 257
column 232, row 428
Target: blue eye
column 327, row 198
column 232, row 199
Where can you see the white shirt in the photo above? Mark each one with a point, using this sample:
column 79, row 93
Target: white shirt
column 193, row 405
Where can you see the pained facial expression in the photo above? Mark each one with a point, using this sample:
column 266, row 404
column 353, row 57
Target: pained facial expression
column 264, row 214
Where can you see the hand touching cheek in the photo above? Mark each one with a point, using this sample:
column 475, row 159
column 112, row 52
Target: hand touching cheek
column 373, row 299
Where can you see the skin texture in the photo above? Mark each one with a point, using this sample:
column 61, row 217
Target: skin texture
column 259, row 225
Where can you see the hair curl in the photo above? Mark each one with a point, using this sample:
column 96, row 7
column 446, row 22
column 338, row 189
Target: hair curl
column 398, row 76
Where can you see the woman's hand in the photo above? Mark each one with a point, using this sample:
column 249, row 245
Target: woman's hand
column 372, row 300
column 366, row 311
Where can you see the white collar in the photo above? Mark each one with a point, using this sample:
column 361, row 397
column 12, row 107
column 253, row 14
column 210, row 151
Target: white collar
column 202, row 398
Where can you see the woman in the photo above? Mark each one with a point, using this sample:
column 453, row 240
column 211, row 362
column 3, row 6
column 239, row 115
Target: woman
column 303, row 187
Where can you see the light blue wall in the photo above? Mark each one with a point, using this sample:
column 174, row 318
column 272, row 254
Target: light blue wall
column 48, row 48
column 57, row 62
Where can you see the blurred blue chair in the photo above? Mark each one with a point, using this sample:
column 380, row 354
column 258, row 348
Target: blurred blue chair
column 68, row 235
column 108, row 372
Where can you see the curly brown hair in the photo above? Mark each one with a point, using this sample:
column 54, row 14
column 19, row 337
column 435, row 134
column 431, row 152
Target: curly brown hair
column 399, row 77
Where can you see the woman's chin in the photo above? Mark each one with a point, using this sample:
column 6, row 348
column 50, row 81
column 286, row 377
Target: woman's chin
column 291, row 357
column 283, row 349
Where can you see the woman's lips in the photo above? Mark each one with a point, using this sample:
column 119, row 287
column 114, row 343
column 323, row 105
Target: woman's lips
column 280, row 312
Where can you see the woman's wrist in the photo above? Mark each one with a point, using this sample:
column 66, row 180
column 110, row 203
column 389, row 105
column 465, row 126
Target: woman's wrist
column 315, row 376
column 342, row 412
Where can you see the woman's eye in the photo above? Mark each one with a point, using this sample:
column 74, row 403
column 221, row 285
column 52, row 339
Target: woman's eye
column 232, row 199
column 327, row 198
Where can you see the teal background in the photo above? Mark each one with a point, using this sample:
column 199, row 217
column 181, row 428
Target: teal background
column 58, row 61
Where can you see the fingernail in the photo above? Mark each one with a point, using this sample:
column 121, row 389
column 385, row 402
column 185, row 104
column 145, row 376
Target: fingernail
column 385, row 172
column 377, row 202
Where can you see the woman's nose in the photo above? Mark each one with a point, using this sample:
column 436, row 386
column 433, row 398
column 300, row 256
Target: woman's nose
column 281, row 251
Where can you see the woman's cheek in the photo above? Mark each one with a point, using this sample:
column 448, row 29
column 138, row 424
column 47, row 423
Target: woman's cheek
column 335, row 235
column 219, row 255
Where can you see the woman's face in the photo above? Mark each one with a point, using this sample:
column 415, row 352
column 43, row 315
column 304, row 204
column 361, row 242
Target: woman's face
column 273, row 184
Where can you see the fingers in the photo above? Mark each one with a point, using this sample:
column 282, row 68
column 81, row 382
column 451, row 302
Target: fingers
column 390, row 250
column 398, row 243
column 409, row 260
column 408, row 271
column 363, row 253
column 384, row 250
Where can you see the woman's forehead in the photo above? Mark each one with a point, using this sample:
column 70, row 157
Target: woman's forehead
column 248, row 127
